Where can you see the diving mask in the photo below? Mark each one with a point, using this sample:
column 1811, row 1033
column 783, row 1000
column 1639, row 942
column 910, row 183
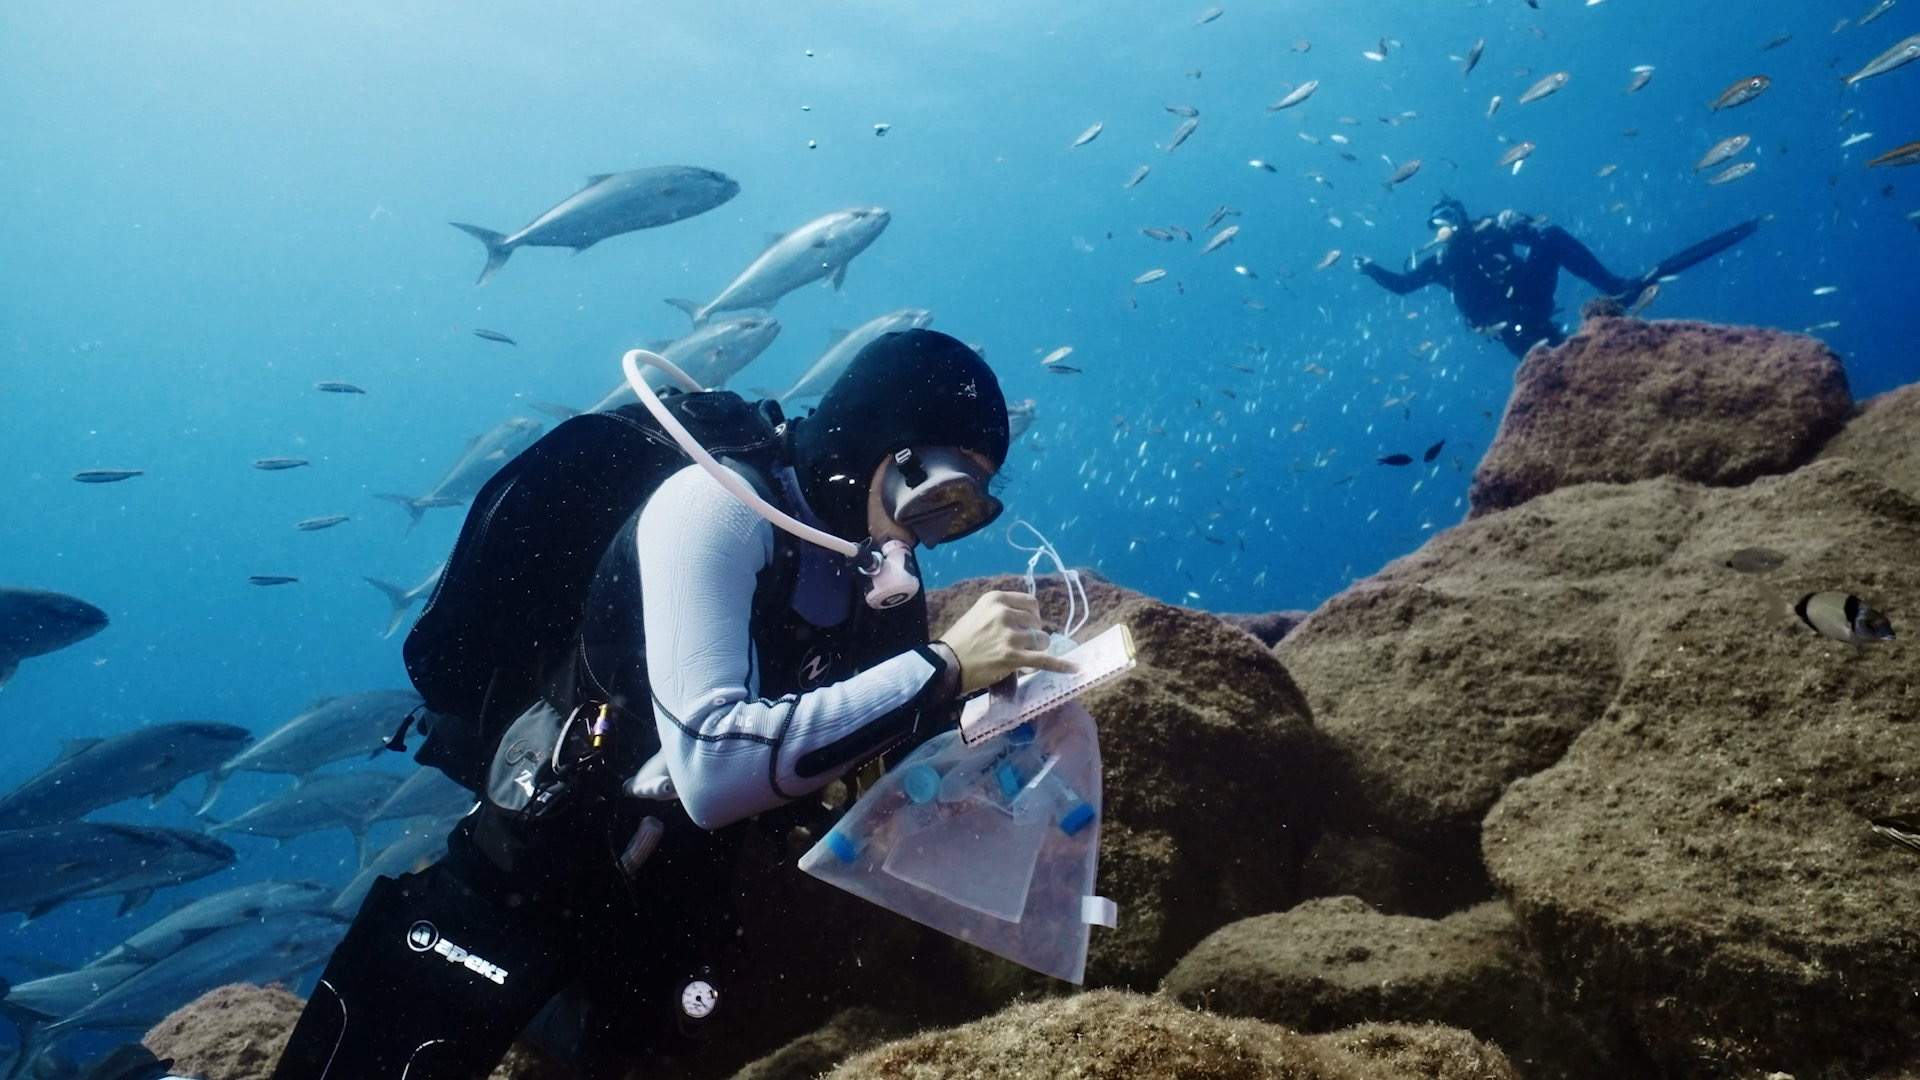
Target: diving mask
column 940, row 494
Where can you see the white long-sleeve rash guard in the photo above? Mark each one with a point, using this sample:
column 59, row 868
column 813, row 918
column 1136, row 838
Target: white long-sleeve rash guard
column 729, row 752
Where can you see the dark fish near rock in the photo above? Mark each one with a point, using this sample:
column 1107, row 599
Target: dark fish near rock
column 610, row 204
column 337, row 388
column 1903, row 830
column 1843, row 617
column 107, row 476
column 1396, row 459
column 494, row 335
column 272, row 579
column 34, row 622
column 1741, row 92
column 1434, row 451
column 1755, row 560
column 279, row 464
column 92, row 773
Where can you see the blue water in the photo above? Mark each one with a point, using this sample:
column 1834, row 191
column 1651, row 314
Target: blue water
column 211, row 207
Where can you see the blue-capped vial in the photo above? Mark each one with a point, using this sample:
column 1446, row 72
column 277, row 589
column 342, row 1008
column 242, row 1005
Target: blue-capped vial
column 1022, row 735
column 1076, row 819
column 1009, row 777
column 921, row 783
column 843, row 846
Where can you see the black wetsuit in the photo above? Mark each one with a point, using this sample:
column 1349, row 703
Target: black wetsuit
column 1502, row 291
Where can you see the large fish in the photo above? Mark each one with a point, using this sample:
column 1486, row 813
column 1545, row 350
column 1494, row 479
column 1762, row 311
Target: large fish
column 50, row 865
column 51, row 997
column 428, row 793
column 420, row 848
column 92, row 773
column 821, row 248
column 1905, row 52
column 332, row 729
column 847, row 345
column 484, row 455
column 403, row 599
column 712, row 354
column 270, row 949
column 611, row 204
column 335, row 801
column 244, row 903
column 34, row 622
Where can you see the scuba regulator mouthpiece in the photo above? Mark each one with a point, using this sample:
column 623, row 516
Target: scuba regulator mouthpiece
column 892, row 573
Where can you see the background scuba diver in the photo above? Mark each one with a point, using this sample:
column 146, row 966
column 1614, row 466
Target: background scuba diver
column 1506, row 294
column 742, row 671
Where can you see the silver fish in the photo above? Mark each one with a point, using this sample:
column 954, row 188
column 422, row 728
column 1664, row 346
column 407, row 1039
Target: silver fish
column 1138, row 175
column 847, row 344
column 402, row 599
column 336, row 800
column 1473, row 57
column 1182, row 110
column 1221, row 239
column 1732, row 173
column 279, row 464
column 1182, row 133
column 1020, row 417
column 332, row 729
column 610, row 204
column 1209, row 15
column 712, row 353
column 1903, row 53
column 1874, row 12
column 107, row 476
column 428, row 793
column 483, row 456
column 187, row 924
column 1642, row 75
column 315, row 524
column 420, row 848
column 1741, row 92
column 34, row 622
column 1150, row 276
column 1088, row 135
column 1295, row 96
column 1546, row 87
column 1407, row 170
column 50, row 865
column 337, row 388
column 822, row 248
column 1517, row 153
column 92, row 773
column 1723, row 150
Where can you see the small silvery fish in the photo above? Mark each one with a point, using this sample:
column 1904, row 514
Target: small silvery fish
column 1328, row 259
column 1209, row 15
column 1182, row 133
column 494, row 335
column 1732, row 173
column 1295, row 96
column 1220, row 213
column 1057, row 355
column 1064, row 369
column 1856, row 139
column 1642, row 75
column 1401, row 175
column 1899, row 155
column 1741, row 92
column 1843, row 617
column 1150, row 276
column 1878, row 10
column 1089, row 135
column 1133, row 181
column 107, row 476
column 337, row 388
column 1473, row 57
column 1903, row 53
column 1182, row 110
column 1607, row 170
column 278, row 464
column 1546, row 87
column 1754, row 560
column 315, row 524
column 1493, row 106
column 1154, row 232
column 1722, row 150
column 1221, row 239
column 1517, row 153
column 271, row 579
column 1775, row 42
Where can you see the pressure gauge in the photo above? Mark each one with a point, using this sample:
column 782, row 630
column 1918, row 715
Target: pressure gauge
column 698, row 999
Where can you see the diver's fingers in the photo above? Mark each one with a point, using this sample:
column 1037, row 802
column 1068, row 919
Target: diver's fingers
column 1048, row 662
column 1019, row 601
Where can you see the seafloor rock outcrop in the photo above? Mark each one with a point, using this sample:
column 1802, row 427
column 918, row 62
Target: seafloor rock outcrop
column 816, row 1052
column 1332, row 963
column 1884, row 439
column 1211, row 791
column 236, row 1032
column 1626, row 400
column 1118, row 1036
column 1269, row 626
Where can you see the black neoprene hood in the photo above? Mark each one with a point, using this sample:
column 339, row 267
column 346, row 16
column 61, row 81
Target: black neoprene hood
column 911, row 388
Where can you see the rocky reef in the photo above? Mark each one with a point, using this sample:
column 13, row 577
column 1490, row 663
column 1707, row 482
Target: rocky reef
column 1560, row 794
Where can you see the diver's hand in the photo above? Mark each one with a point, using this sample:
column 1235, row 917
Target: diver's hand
column 999, row 635
column 1361, row 262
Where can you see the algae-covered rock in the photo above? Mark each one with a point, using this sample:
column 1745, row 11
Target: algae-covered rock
column 1883, row 438
column 1212, row 790
column 806, row 1057
column 1700, row 859
column 1625, row 400
column 1119, row 1036
column 1333, row 963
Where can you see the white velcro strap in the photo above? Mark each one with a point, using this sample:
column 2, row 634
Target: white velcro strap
column 1099, row 911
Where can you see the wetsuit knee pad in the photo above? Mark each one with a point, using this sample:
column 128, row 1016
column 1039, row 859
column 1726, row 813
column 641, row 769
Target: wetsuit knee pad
column 433, row 981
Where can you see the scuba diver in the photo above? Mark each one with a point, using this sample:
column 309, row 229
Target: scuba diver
column 1508, row 294
column 633, row 658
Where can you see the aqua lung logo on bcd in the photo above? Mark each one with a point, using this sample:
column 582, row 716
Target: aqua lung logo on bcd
column 814, row 667
column 424, row 937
